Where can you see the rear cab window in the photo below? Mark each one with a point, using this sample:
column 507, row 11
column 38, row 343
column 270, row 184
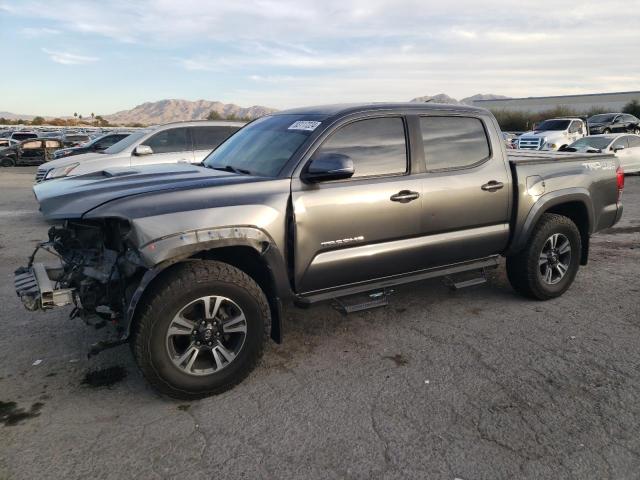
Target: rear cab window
column 376, row 146
column 454, row 142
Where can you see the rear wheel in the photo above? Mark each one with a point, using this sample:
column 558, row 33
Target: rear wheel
column 7, row 162
column 548, row 264
column 203, row 331
column 636, row 130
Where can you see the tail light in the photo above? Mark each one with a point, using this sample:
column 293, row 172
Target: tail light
column 620, row 182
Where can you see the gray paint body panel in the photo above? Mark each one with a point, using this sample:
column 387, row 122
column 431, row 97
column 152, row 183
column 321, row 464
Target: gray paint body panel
column 301, row 228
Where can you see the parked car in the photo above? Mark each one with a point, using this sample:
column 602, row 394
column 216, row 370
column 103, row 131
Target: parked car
column 99, row 144
column 625, row 147
column 187, row 142
column 613, row 122
column 35, row 151
column 75, row 139
column 553, row 134
column 192, row 263
column 22, row 135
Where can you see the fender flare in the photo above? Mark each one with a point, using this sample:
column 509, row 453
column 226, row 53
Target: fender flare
column 545, row 203
column 163, row 253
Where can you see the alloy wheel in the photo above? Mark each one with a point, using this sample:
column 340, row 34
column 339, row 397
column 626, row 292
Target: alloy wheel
column 555, row 259
column 206, row 335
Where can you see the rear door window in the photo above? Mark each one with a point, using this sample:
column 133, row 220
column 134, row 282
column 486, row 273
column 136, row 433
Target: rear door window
column 209, row 137
column 169, row 141
column 376, row 146
column 453, row 142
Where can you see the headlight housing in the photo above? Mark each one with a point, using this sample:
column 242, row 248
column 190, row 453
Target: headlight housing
column 60, row 171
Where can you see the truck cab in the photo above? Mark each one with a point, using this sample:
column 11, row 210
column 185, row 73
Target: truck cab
column 553, row 134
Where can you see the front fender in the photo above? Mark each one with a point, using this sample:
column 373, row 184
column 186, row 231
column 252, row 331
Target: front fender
column 162, row 253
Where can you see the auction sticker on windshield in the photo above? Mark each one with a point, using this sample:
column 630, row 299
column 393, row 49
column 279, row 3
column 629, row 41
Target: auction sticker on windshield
column 308, row 125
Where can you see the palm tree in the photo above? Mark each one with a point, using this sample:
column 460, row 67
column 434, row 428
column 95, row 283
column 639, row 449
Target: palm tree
column 75, row 114
column 93, row 117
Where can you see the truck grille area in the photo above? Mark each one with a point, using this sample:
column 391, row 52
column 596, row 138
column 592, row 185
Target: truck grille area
column 530, row 143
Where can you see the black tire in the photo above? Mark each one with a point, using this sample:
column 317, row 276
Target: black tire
column 178, row 288
column 606, row 131
column 636, row 130
column 524, row 269
column 7, row 162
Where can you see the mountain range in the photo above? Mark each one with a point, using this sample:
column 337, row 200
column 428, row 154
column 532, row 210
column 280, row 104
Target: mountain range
column 175, row 110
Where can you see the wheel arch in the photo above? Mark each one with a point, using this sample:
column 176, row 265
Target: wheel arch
column 255, row 255
column 574, row 204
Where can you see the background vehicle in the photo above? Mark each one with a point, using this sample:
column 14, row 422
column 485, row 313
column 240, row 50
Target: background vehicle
column 553, row 134
column 187, row 142
column 307, row 205
column 74, row 139
column 29, row 152
column 98, row 144
column 625, row 147
column 21, row 135
column 510, row 140
column 613, row 122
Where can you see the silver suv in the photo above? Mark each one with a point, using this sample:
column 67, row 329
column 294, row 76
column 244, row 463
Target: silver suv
column 187, row 142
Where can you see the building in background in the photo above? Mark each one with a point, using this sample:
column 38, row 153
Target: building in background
column 610, row 102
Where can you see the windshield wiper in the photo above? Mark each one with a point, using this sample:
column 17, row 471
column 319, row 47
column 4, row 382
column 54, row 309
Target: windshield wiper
column 229, row 168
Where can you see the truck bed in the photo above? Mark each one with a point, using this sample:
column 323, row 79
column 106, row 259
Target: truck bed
column 536, row 156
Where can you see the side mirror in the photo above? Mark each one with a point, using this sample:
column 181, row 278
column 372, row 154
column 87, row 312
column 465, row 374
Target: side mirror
column 329, row 166
column 617, row 149
column 143, row 150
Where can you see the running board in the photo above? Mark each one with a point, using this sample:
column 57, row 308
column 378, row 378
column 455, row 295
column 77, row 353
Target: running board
column 321, row 295
column 347, row 305
column 453, row 285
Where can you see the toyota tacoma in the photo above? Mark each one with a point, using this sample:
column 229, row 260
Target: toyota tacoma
column 193, row 263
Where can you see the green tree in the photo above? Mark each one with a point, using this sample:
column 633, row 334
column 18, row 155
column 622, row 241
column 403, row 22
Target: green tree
column 633, row 107
column 37, row 121
column 213, row 115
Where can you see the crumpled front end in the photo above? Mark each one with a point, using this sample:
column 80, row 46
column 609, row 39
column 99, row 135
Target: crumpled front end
column 95, row 270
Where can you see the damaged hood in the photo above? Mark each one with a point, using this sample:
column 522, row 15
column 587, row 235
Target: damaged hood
column 72, row 197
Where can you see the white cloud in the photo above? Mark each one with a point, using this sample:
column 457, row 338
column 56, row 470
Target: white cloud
column 32, row 32
column 67, row 58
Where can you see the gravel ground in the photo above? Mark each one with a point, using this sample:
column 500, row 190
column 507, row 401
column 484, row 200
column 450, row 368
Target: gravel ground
column 475, row 384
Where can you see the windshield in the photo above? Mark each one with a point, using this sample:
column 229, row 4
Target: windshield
column 553, row 125
column 264, row 146
column 126, row 142
column 597, row 143
column 602, row 118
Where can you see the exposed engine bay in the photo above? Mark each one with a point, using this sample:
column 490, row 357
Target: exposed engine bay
column 98, row 271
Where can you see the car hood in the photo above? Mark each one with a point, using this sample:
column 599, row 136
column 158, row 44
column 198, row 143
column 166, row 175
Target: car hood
column 544, row 133
column 64, row 161
column 72, row 197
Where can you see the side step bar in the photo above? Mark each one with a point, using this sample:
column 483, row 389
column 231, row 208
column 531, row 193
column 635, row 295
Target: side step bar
column 321, row 295
column 358, row 303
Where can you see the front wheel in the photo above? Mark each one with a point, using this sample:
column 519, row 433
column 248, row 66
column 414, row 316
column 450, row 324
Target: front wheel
column 202, row 331
column 549, row 263
column 636, row 130
column 606, row 131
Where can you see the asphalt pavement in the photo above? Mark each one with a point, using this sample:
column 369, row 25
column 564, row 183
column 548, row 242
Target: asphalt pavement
column 473, row 384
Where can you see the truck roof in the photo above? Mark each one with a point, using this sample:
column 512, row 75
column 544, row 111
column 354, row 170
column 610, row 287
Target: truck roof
column 349, row 108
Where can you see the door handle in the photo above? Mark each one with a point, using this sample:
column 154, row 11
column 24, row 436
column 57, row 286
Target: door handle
column 404, row 196
column 492, row 186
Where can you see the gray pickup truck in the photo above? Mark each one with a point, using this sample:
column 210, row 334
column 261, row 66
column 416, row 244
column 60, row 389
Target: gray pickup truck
column 342, row 203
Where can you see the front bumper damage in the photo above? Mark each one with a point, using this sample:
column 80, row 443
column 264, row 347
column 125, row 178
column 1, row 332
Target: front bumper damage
column 36, row 286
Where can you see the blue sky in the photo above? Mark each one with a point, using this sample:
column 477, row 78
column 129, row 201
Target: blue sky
column 110, row 55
